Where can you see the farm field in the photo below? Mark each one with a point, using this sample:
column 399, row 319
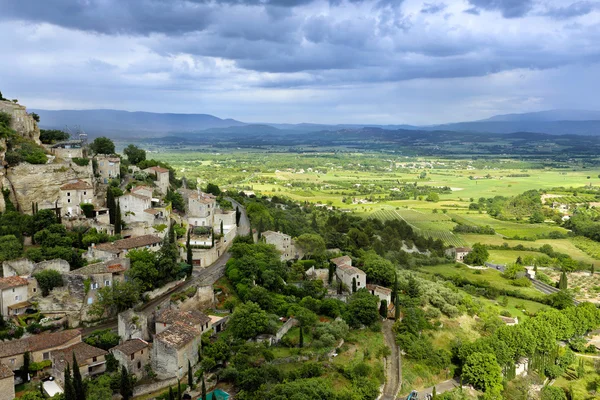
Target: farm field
column 516, row 306
column 584, row 286
column 508, row 228
column 510, row 256
column 492, row 277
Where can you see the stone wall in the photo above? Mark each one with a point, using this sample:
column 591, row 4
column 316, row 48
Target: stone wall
column 25, row 267
column 285, row 328
column 204, row 298
column 7, row 388
column 21, row 122
column 141, row 390
column 133, row 325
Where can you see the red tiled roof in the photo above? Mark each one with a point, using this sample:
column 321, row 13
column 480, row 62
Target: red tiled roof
column 131, row 346
column 37, row 342
column 129, row 243
column 191, row 318
column 177, row 335
column 159, row 169
column 84, row 354
column 76, row 185
column 342, row 260
column 12, row 281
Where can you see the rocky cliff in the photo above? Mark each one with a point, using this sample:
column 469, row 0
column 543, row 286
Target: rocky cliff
column 21, row 122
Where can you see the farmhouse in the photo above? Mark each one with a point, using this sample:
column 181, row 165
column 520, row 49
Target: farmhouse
column 91, row 360
column 39, row 346
column 283, row 243
column 14, row 295
column 134, row 354
column 382, row 292
column 459, row 253
column 73, row 194
column 346, row 273
column 120, row 248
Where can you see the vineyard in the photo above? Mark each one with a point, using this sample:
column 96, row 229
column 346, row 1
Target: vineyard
column 588, row 246
column 579, row 199
column 435, row 226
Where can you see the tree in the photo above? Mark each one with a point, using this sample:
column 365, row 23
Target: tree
column 102, row 145
column 26, row 365
column 312, row 245
column 47, row 280
column 171, row 397
column 301, row 338
column 222, row 230
column 188, row 249
column 88, row 209
column 482, row 370
column 434, row 394
column 213, row 189
column 478, row 255
column 362, row 309
column 118, row 223
column 111, row 205
column 50, row 136
column 78, row 381
column 248, row 320
column 176, row 200
column 563, row 282
column 433, row 196
column 238, row 215
column 69, row 388
column 203, row 388
column 116, row 298
column 126, row 386
column 10, row 247
column 553, row 393
column 383, row 309
column 134, row 154
column 592, row 270
column 190, row 375
column 353, row 285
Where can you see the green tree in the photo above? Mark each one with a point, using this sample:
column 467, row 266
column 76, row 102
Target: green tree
column 383, row 309
column 483, row 371
column 47, row 280
column 478, row 255
column 312, row 245
column 188, row 249
column 203, row 388
column 190, row 375
column 553, row 393
column 125, row 385
column 213, row 189
column 143, row 269
column 248, row 320
column 238, row 216
column 111, row 204
column 69, row 388
column 563, row 282
column 10, row 248
column 78, row 381
column 134, row 154
column 433, row 196
column 50, row 136
column 301, row 338
column 102, row 145
column 362, row 309
column 353, row 285
column 116, row 298
column 176, row 200
column 118, row 222
column 26, row 365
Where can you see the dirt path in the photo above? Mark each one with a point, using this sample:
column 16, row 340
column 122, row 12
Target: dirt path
column 393, row 372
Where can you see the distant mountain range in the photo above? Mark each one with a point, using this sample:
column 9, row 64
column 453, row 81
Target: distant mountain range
column 124, row 124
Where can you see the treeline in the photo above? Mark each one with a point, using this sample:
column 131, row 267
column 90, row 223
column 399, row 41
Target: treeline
column 526, row 206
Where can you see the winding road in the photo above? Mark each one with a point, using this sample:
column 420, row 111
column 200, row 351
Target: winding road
column 393, row 365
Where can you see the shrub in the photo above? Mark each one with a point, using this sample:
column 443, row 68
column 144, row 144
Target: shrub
column 82, row 162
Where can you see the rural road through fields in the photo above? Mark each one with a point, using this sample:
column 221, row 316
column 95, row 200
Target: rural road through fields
column 440, row 387
column 393, row 372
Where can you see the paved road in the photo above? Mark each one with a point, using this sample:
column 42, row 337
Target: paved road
column 440, row 387
column 393, row 373
column 244, row 227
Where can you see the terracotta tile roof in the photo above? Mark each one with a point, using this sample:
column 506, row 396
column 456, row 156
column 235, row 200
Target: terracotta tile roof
column 152, row 211
column 37, row 342
column 141, row 187
column 463, row 249
column 177, row 335
column 12, row 281
column 202, row 197
column 342, row 260
column 5, row 372
column 138, row 196
column 76, row 185
column 347, row 269
column 131, row 346
column 130, row 243
column 160, row 170
column 191, row 318
column 112, row 267
column 380, row 289
column 267, row 234
column 84, row 354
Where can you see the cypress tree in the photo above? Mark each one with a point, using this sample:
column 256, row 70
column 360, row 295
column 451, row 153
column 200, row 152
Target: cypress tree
column 212, row 234
column 190, row 375
column 434, row 394
column 395, row 290
column 353, row 285
column 26, row 365
column 118, row 223
column 171, row 233
column 69, row 389
column 203, row 388
column 592, row 269
column 397, row 311
column 340, row 287
column 238, row 215
column 222, row 230
column 563, row 282
column 190, row 254
column 78, row 381
column 171, row 397
column 110, row 204
column 178, row 390
column 383, row 309
column 126, row 388
column 330, row 274
column 301, row 340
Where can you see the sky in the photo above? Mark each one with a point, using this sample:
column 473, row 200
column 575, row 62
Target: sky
column 321, row 61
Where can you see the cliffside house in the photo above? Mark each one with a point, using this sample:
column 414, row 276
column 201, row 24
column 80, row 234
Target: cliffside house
column 91, row 360
column 14, row 296
column 73, row 194
column 201, row 208
column 68, row 149
column 283, row 243
column 173, row 348
column 346, row 273
column 382, row 292
column 162, row 178
column 133, row 206
column 142, row 190
column 102, row 274
column 134, row 354
column 120, row 248
column 109, row 167
column 39, row 346
column 7, row 383
column 194, row 318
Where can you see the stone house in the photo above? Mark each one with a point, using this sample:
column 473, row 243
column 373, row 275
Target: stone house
column 194, row 318
column 133, row 206
column 346, row 273
column 162, row 178
column 283, row 243
column 73, row 194
column 14, row 295
column 142, row 190
column 109, row 167
column 120, row 248
column 91, row 360
column 201, row 208
column 68, row 149
column 459, row 253
column 7, row 383
column 39, row 346
column 134, row 354
column 101, row 275
column 382, row 292
column 173, row 348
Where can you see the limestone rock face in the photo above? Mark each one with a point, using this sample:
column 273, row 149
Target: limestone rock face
column 40, row 183
column 22, row 122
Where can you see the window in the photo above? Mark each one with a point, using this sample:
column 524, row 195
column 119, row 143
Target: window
column 107, row 283
column 133, row 356
column 90, row 300
column 34, row 290
column 142, row 352
column 139, row 365
column 46, row 355
column 18, row 298
column 84, row 193
column 68, row 193
column 68, row 200
column 94, row 359
column 13, row 290
column 12, row 361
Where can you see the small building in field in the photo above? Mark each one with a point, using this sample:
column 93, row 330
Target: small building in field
column 14, row 295
column 73, row 194
column 283, row 243
column 120, row 248
column 382, row 292
column 193, row 318
column 346, row 273
column 91, row 361
column 102, row 274
column 509, row 321
column 162, row 178
column 134, row 354
column 7, row 383
column 39, row 346
column 459, row 253
column 173, row 348
column 109, row 167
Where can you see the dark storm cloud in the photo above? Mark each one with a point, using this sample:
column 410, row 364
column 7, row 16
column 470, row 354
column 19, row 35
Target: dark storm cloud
column 572, row 10
column 508, row 8
column 433, row 8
